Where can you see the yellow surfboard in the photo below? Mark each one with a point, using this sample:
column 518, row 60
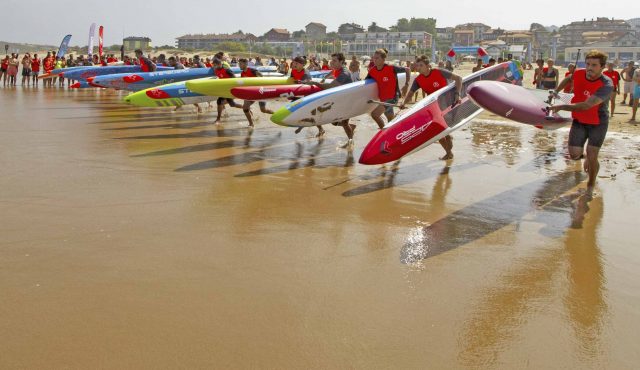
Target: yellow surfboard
column 222, row 87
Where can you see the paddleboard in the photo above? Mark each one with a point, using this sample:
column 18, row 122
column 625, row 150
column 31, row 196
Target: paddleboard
column 84, row 73
column 331, row 105
column 170, row 95
column 519, row 104
column 146, row 80
column 273, row 92
column 222, row 87
column 432, row 118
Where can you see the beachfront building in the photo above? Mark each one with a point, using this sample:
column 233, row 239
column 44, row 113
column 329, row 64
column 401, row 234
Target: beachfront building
column 315, row 31
column 277, row 34
column 463, row 37
column 573, row 34
column 621, row 50
column 479, row 30
column 135, row 42
column 348, row 31
column 635, row 25
column 209, row 41
column 397, row 43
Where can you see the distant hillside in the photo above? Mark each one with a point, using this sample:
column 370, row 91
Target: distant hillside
column 24, row 48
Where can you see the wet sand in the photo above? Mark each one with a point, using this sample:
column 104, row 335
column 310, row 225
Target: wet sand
column 141, row 238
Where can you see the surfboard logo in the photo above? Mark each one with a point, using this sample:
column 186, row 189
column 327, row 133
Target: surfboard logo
column 262, row 90
column 411, row 133
column 509, row 112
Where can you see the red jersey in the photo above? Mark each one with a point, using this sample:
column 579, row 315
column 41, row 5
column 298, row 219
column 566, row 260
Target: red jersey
column 5, row 63
column 49, row 63
column 614, row 76
column 325, row 68
column 298, row 75
column 223, row 73
column 582, row 90
column 387, row 81
column 431, row 83
column 35, row 65
column 249, row 72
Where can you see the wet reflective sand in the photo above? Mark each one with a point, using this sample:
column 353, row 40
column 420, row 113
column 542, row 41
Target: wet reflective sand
column 141, row 238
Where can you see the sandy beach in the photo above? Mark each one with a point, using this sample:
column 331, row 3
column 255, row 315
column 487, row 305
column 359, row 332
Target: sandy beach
column 141, row 238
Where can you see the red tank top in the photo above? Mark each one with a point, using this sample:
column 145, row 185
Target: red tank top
column 297, row 75
column 222, row 73
column 614, row 76
column 35, row 65
column 247, row 73
column 432, row 83
column 387, row 82
column 582, row 90
column 5, row 64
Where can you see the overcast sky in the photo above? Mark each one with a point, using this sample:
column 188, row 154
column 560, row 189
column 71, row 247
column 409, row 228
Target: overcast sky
column 40, row 22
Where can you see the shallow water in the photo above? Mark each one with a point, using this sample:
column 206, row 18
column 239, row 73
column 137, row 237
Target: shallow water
column 144, row 238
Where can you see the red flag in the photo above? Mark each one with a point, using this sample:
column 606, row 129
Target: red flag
column 100, row 43
column 482, row 52
column 451, row 53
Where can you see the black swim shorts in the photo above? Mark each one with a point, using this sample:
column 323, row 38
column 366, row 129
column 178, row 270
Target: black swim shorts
column 580, row 133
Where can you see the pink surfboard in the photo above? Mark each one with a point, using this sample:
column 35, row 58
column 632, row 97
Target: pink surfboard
column 519, row 104
column 273, row 92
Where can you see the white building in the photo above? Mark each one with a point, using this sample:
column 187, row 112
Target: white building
column 397, row 43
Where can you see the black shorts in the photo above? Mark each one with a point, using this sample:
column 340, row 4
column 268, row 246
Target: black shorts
column 3, row 70
column 26, row 72
column 580, row 133
column 221, row 101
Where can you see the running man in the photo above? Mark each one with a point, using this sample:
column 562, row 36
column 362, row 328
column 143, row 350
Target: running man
column 592, row 90
column 340, row 76
column 246, row 107
column 431, row 80
column 386, row 77
column 550, row 76
column 223, row 72
column 615, row 78
column 301, row 75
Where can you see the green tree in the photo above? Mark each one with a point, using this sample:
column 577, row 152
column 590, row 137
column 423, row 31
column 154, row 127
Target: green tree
column 403, row 25
column 298, row 34
column 375, row 28
column 231, row 46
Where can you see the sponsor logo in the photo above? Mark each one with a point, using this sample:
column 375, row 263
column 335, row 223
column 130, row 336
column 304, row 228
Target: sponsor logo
column 436, row 85
column 411, row 133
column 262, row 90
column 385, row 79
column 509, row 112
column 587, row 94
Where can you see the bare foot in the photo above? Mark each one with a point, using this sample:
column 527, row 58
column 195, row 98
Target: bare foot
column 320, row 133
column 217, row 122
column 447, row 156
column 347, row 145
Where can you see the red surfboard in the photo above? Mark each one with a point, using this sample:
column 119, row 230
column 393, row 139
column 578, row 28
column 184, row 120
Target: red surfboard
column 432, row 118
column 273, row 92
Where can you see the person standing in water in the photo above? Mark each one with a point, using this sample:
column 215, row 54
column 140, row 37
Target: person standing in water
column 223, row 72
column 431, row 80
column 589, row 109
column 386, row 77
column 301, row 75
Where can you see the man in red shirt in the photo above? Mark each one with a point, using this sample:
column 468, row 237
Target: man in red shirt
column 429, row 81
column 615, row 78
column 35, row 69
column 589, row 109
column 386, row 77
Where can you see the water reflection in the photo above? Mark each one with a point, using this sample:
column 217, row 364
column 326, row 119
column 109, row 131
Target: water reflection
column 501, row 140
column 482, row 218
column 526, row 290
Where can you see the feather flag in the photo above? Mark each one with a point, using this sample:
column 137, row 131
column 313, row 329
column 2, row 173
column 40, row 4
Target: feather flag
column 92, row 31
column 100, row 40
column 63, row 46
